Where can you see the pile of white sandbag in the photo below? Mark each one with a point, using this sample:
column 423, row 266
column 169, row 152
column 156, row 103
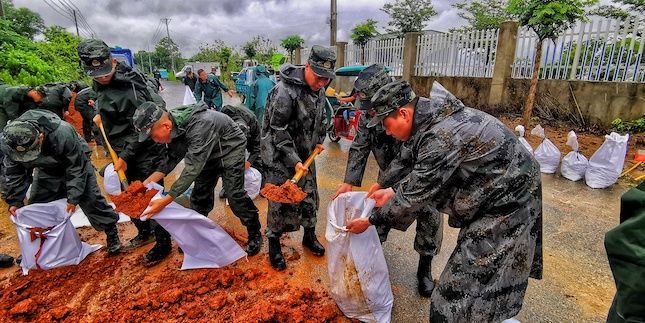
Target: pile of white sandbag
column 601, row 171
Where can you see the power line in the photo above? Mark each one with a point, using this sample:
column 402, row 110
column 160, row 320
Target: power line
column 58, row 11
column 83, row 20
column 78, row 16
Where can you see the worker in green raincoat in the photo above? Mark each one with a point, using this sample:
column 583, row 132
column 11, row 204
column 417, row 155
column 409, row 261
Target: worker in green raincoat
column 260, row 91
column 625, row 245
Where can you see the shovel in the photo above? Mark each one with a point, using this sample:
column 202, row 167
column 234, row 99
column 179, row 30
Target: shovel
column 289, row 192
column 99, row 123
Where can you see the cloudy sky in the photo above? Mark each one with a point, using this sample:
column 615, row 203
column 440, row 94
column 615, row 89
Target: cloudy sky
column 135, row 24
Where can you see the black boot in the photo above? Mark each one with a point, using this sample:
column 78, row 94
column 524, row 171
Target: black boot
column 310, row 241
column 160, row 250
column 113, row 242
column 6, row 261
column 255, row 242
column 424, row 276
column 275, row 254
column 141, row 239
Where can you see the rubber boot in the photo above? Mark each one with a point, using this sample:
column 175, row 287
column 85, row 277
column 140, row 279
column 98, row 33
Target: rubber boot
column 275, row 254
column 255, row 242
column 160, row 251
column 310, row 241
column 424, row 276
column 6, row 261
column 113, row 242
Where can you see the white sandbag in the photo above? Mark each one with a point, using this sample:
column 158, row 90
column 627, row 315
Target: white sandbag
column 252, row 182
column 358, row 273
column 111, row 182
column 204, row 243
column 547, row 154
column 48, row 238
column 520, row 130
column 607, row 162
column 574, row 164
column 189, row 98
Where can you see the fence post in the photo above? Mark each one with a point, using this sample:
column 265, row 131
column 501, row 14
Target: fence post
column 410, row 54
column 504, row 59
column 297, row 57
column 340, row 53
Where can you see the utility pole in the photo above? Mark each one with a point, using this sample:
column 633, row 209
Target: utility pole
column 172, row 58
column 75, row 23
column 332, row 23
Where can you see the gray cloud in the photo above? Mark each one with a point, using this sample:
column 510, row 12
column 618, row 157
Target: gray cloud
column 133, row 24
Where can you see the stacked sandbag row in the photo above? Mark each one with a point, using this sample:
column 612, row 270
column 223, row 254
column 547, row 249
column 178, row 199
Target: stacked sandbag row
column 601, row 171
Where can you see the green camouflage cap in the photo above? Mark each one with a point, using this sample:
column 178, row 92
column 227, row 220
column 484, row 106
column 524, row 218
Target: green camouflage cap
column 368, row 82
column 145, row 117
column 322, row 61
column 390, row 98
column 21, row 139
column 95, row 55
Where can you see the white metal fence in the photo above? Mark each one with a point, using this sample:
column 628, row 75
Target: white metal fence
column 469, row 53
column 598, row 50
column 388, row 52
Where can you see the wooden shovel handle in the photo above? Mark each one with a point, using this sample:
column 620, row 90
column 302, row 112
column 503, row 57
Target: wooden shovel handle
column 307, row 163
column 97, row 120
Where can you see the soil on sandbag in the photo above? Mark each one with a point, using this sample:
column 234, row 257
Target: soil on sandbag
column 73, row 117
column 134, row 200
column 288, row 193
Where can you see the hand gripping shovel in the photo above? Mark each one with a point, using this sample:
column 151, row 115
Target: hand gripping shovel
column 99, row 123
column 289, row 192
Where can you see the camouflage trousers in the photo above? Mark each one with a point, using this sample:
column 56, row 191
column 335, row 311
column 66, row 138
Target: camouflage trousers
column 427, row 241
column 231, row 169
column 47, row 188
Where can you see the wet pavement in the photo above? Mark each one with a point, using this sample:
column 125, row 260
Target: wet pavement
column 577, row 284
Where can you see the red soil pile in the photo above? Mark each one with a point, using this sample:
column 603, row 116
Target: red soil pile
column 119, row 289
column 134, row 200
column 288, row 193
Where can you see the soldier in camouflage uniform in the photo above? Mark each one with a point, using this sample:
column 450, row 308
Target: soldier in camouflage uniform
column 249, row 124
column 14, row 101
column 294, row 124
column 469, row 165
column 40, row 140
column 427, row 241
column 119, row 91
column 212, row 146
column 84, row 103
column 54, row 97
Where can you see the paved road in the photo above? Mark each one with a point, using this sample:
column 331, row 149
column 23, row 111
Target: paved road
column 578, row 286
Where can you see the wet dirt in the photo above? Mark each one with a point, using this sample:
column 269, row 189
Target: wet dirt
column 116, row 289
column 288, row 193
column 73, row 117
column 134, row 200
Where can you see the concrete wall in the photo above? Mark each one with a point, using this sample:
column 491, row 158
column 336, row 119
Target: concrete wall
column 600, row 102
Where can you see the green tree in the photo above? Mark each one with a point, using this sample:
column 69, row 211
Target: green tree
column 250, row 49
column 363, row 33
column 408, row 15
column 165, row 51
column 25, row 22
column 483, row 14
column 548, row 19
column 291, row 43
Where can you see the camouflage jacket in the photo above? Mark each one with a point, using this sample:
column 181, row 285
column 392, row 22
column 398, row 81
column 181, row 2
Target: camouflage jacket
column 294, row 123
column 249, row 124
column 199, row 135
column 116, row 103
column 464, row 161
column 55, row 98
column 63, row 154
column 385, row 148
column 13, row 103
